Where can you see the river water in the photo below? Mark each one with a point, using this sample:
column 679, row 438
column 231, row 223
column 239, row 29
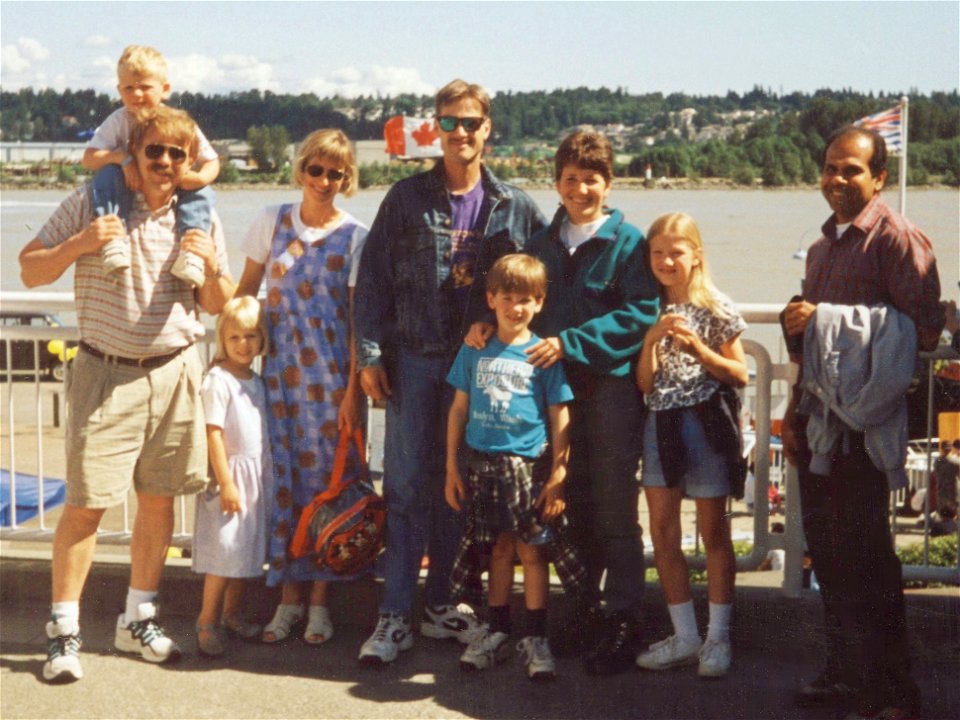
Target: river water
column 750, row 236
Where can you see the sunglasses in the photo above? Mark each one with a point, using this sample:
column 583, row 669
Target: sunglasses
column 448, row 123
column 156, row 151
column 317, row 171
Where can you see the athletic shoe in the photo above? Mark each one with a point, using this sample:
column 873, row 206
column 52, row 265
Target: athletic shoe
column 616, row 650
column 715, row 656
column 537, row 657
column 485, row 650
column 450, row 621
column 145, row 636
column 63, row 654
column 392, row 635
column 672, row 652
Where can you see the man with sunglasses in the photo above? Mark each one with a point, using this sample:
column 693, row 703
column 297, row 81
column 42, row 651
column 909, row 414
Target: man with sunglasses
column 135, row 417
column 420, row 286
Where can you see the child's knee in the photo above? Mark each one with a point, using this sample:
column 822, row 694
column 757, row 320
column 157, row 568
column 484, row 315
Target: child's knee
column 504, row 549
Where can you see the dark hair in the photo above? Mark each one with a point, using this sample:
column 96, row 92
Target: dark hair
column 878, row 158
column 588, row 150
column 518, row 273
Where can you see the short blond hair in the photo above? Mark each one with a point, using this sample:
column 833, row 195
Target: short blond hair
column 171, row 123
column 143, row 61
column 458, row 89
column 247, row 313
column 332, row 145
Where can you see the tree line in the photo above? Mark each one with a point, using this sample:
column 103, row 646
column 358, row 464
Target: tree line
column 777, row 139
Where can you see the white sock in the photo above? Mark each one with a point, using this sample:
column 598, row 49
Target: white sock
column 134, row 599
column 684, row 620
column 719, row 627
column 66, row 614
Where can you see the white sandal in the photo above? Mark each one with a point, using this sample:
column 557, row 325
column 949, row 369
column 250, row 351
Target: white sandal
column 319, row 625
column 283, row 621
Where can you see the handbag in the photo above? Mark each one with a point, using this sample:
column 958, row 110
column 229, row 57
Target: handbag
column 344, row 527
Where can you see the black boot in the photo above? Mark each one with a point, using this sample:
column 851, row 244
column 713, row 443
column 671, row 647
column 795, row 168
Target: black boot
column 616, row 650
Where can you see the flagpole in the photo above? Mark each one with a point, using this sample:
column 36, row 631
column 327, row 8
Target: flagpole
column 904, row 123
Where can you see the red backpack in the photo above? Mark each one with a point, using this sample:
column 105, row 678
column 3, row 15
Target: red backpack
column 343, row 528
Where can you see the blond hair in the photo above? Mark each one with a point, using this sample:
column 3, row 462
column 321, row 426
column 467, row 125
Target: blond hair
column 247, row 313
column 171, row 123
column 143, row 61
column 332, row 145
column 458, row 89
column 700, row 289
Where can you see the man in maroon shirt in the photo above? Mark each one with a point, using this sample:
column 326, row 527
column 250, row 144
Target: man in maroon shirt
column 868, row 254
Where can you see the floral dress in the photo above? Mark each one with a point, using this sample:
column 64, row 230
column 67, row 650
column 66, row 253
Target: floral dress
column 305, row 374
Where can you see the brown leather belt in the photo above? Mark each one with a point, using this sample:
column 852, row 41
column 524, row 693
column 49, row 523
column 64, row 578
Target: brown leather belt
column 154, row 361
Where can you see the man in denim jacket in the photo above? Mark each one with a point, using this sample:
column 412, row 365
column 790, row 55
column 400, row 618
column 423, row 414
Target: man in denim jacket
column 420, row 285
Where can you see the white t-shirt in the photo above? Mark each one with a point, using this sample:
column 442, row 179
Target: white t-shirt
column 256, row 244
column 573, row 236
column 114, row 134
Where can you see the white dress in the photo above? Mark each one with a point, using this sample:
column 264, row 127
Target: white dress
column 235, row 545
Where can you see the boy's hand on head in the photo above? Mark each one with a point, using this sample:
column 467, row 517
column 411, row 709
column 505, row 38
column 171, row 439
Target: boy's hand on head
column 546, row 352
column 131, row 176
column 478, row 334
column 454, row 490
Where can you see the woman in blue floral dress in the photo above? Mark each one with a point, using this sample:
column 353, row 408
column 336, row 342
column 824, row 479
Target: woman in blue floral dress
column 308, row 252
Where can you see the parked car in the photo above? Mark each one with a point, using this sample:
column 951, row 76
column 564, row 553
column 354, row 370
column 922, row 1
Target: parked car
column 54, row 354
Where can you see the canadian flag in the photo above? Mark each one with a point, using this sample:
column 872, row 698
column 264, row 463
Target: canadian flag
column 409, row 137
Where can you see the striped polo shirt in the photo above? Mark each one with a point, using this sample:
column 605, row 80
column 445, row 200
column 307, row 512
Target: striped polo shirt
column 146, row 311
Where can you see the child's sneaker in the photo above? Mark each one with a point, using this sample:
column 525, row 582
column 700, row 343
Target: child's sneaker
column 672, row 652
column 450, row 621
column 485, row 650
column 538, row 658
column 189, row 267
column 63, row 653
column 715, row 657
column 145, row 636
column 391, row 636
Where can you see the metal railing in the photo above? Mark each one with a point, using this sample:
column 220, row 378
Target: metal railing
column 33, row 394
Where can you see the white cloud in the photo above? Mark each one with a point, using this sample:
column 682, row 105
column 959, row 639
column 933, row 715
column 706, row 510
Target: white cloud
column 33, row 49
column 353, row 81
column 12, row 62
column 17, row 62
column 207, row 75
column 97, row 41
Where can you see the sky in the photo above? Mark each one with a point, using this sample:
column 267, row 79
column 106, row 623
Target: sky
column 385, row 48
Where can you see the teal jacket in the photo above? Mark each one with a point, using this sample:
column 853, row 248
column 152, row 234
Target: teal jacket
column 601, row 299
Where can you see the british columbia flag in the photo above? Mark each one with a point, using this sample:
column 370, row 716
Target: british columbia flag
column 889, row 124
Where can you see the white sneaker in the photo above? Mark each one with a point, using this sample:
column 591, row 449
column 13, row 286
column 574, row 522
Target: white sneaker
column 145, row 636
column 485, row 650
column 392, row 635
column 715, row 659
column 450, row 621
column 538, row 658
column 672, row 652
column 63, row 654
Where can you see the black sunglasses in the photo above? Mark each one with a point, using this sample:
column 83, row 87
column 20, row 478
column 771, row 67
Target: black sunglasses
column 155, row 151
column 317, row 171
column 448, row 123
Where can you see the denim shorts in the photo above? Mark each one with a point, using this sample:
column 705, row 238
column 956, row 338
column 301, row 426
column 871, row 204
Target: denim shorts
column 706, row 475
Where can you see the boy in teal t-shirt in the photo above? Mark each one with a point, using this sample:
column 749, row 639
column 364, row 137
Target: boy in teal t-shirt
column 503, row 408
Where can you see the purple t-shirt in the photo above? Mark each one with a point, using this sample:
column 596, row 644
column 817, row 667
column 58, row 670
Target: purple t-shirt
column 465, row 240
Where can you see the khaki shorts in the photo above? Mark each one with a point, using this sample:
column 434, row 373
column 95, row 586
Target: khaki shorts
column 133, row 426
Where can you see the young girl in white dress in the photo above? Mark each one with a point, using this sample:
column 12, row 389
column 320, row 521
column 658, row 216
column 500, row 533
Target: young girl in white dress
column 691, row 362
column 230, row 532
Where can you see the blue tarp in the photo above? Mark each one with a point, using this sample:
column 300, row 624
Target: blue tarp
column 28, row 501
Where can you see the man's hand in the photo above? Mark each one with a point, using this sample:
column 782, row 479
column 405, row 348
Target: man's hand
column 374, row 382
column 797, row 316
column 478, row 334
column 201, row 244
column 788, row 434
column 546, row 352
column 101, row 231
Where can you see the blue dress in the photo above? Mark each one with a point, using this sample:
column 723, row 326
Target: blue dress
column 305, row 374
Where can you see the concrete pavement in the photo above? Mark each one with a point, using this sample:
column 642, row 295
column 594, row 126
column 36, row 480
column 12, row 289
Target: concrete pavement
column 776, row 643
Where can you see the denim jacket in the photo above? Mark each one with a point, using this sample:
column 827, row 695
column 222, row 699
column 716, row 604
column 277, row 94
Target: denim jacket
column 602, row 299
column 402, row 296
